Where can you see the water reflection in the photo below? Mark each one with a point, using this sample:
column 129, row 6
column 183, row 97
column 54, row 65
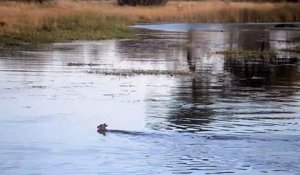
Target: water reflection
column 199, row 100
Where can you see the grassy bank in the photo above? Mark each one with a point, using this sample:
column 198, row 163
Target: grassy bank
column 90, row 20
column 65, row 28
column 22, row 23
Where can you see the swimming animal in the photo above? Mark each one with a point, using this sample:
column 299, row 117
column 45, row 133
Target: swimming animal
column 102, row 129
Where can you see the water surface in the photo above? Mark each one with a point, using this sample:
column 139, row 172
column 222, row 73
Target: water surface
column 181, row 109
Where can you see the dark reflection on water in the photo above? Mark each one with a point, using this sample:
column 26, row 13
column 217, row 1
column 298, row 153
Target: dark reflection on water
column 233, row 115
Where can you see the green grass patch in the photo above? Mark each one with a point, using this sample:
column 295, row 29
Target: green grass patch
column 69, row 28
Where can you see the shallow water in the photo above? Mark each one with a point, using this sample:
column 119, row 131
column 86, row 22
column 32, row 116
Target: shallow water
column 173, row 105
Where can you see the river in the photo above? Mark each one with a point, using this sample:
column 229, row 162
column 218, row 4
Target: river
column 173, row 105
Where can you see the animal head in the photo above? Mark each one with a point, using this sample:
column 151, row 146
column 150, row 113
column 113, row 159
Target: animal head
column 102, row 129
column 102, row 126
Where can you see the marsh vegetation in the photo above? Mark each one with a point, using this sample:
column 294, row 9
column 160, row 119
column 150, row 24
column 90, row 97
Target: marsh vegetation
column 60, row 20
column 248, row 53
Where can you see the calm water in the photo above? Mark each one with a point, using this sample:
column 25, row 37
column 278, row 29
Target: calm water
column 227, row 115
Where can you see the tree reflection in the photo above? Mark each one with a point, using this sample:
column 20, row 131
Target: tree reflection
column 190, row 52
column 262, row 72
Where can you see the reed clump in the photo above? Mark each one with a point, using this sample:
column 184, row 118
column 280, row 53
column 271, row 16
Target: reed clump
column 132, row 72
column 248, row 53
column 63, row 20
column 292, row 49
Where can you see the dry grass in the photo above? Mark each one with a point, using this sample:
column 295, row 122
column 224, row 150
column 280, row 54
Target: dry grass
column 77, row 19
column 16, row 16
column 211, row 11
